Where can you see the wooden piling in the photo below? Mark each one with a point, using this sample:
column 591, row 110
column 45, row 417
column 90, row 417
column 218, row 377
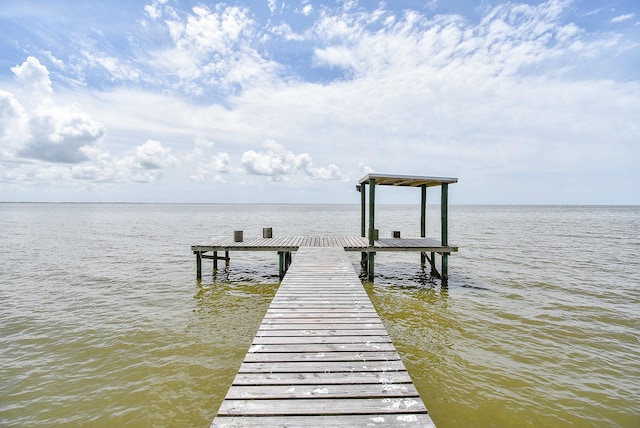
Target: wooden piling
column 198, row 265
column 444, row 214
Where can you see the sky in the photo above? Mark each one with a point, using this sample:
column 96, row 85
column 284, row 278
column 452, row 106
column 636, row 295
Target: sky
column 271, row 101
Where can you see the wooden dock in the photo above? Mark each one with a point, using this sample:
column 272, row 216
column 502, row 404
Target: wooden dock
column 321, row 356
column 286, row 244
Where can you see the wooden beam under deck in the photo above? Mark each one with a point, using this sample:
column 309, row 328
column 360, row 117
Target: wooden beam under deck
column 322, row 357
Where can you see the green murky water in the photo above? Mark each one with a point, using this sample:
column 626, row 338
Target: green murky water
column 104, row 324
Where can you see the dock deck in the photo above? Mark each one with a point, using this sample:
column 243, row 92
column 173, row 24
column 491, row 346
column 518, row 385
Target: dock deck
column 349, row 243
column 321, row 356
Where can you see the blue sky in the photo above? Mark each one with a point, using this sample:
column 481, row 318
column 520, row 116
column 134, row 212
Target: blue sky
column 526, row 102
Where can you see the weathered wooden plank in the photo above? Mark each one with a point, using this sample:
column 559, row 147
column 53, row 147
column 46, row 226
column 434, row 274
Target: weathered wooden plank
column 329, row 366
column 353, row 421
column 320, row 313
column 271, row 340
column 321, row 378
column 323, row 347
column 306, row 318
column 330, row 313
column 318, row 406
column 362, row 356
column 254, row 392
column 327, row 333
column 269, row 324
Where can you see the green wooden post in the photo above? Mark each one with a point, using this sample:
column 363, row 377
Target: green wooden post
column 198, row 265
column 363, row 210
column 372, row 209
column 281, row 264
column 423, row 212
column 423, row 220
column 444, row 214
column 372, row 217
column 363, row 220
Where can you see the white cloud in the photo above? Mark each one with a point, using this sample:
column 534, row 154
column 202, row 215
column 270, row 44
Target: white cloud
column 278, row 163
column 33, row 78
column 284, row 30
column 38, row 128
column 622, row 18
column 58, row 134
column 112, row 65
column 13, row 124
column 520, row 91
column 307, row 9
column 272, row 6
column 214, row 48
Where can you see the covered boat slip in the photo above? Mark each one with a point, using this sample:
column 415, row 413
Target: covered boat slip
column 322, row 357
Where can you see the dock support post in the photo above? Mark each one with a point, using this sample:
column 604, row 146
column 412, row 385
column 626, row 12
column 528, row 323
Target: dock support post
column 215, row 261
column 198, row 265
column 226, row 258
column 284, row 258
column 372, row 210
column 372, row 227
column 444, row 214
column 363, row 220
column 423, row 221
column 363, row 210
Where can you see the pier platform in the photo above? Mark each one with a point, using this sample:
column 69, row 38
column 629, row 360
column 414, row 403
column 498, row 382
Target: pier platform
column 284, row 245
column 321, row 356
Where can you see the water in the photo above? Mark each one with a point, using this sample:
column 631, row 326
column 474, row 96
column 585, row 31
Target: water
column 104, row 324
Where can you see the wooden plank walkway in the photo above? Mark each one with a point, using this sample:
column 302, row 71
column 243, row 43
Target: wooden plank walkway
column 322, row 357
column 349, row 243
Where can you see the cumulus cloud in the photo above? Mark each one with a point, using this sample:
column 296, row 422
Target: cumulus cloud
column 214, row 48
column 58, row 135
column 151, row 156
column 33, row 78
column 213, row 168
column 278, row 163
column 37, row 127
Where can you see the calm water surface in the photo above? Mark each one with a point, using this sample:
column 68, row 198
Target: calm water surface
column 104, row 324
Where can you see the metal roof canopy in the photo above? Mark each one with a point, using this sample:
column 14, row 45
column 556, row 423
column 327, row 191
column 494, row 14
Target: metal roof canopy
column 406, row 180
column 422, row 182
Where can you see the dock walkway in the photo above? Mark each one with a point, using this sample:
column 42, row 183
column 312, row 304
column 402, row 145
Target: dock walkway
column 321, row 356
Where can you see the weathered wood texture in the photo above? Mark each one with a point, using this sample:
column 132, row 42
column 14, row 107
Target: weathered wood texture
column 322, row 357
column 349, row 243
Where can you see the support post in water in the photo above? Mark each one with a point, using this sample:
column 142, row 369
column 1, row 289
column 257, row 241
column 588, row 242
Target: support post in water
column 444, row 213
column 198, row 265
column 372, row 227
column 363, row 219
column 284, row 261
column 215, row 261
column 423, row 220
